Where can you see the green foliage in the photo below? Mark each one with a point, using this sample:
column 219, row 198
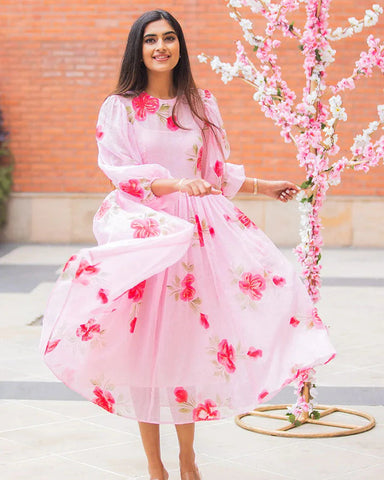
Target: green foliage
column 6, row 169
column 315, row 414
column 308, row 183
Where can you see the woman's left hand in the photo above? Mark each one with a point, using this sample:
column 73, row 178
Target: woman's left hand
column 279, row 189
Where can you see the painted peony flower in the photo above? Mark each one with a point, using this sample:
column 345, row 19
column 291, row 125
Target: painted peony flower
column 145, row 227
column 144, row 104
column 206, row 411
column 171, row 124
column 252, row 285
column 226, row 356
column 132, row 187
column 136, row 293
column 181, row 395
column 104, row 399
column 87, row 330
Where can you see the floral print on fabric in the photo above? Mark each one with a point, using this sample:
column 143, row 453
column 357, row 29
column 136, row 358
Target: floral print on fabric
column 173, row 317
column 201, row 411
column 88, row 330
column 144, row 104
column 184, row 290
column 104, row 399
column 145, row 227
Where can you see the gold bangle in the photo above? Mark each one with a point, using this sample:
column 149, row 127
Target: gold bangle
column 255, row 186
column 180, row 183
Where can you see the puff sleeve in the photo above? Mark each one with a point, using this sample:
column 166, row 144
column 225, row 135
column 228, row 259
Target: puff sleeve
column 119, row 156
column 217, row 170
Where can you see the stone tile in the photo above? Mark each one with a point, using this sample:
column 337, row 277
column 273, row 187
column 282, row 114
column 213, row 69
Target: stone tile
column 15, row 416
column 374, row 472
column 50, row 219
column 57, row 468
column 282, row 223
column 306, row 460
column 336, row 218
column 368, row 230
column 229, row 470
column 70, row 409
column 12, row 452
column 19, row 207
column 124, row 459
column 228, row 441
column 39, row 254
column 68, row 436
column 353, row 262
column 82, row 212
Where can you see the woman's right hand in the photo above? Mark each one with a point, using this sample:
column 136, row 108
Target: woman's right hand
column 196, row 187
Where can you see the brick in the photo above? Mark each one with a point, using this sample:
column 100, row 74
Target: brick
column 63, row 58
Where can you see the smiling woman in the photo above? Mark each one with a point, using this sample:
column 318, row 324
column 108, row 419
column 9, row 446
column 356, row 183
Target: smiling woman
column 184, row 312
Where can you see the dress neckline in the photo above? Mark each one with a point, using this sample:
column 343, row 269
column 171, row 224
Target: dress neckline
column 173, row 99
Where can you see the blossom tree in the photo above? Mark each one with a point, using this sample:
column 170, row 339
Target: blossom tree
column 309, row 121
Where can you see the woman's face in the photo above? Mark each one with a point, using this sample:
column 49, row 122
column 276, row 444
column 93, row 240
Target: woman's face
column 161, row 48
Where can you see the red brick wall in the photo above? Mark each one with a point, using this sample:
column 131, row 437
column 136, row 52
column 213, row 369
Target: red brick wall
column 59, row 59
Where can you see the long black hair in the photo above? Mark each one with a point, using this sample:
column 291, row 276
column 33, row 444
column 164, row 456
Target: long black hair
column 133, row 76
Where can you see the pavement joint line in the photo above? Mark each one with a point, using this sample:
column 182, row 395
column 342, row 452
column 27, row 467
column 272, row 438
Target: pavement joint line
column 360, row 469
column 258, row 469
column 88, row 465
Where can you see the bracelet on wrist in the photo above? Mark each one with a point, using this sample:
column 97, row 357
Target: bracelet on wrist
column 255, row 186
column 179, row 184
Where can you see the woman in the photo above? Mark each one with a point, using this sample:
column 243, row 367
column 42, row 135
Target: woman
column 185, row 311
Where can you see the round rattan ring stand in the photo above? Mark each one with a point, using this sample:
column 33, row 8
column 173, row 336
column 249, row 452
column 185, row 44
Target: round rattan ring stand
column 292, row 430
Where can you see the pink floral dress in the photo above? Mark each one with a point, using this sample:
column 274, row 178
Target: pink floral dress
column 185, row 310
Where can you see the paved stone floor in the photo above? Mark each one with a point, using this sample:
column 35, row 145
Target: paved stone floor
column 47, row 431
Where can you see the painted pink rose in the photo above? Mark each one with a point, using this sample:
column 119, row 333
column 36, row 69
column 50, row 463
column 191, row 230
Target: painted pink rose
column 252, row 285
column 136, row 293
column 317, row 322
column 206, row 411
column 86, row 331
column 187, row 294
column 102, row 294
column 181, row 395
column 71, row 259
column 104, row 399
column 145, row 227
column 204, row 320
column 207, row 94
column 279, row 281
column 254, row 353
column 199, row 158
column 262, row 395
column 227, row 217
column 246, row 221
column 132, row 187
column 52, row 345
column 103, row 209
column 132, row 325
column 144, row 104
column 99, row 132
column 85, row 269
column 212, row 232
column 171, row 124
column 188, row 280
column 199, row 230
column 219, row 168
column 294, row 322
column 226, row 356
